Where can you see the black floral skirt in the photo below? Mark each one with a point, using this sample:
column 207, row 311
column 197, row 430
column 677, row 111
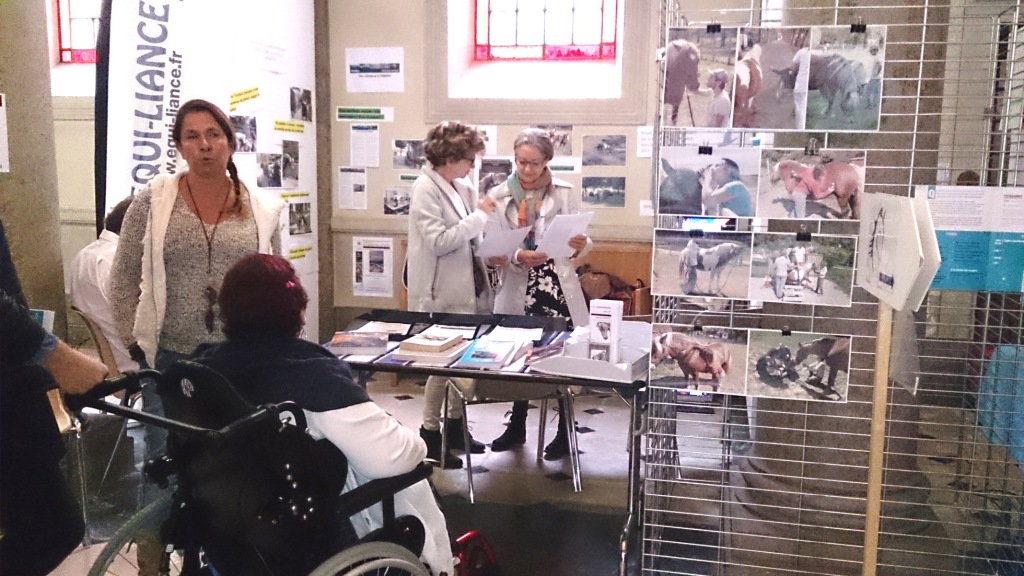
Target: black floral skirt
column 544, row 296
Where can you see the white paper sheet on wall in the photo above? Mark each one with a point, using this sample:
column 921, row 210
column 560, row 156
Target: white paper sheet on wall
column 5, row 159
column 364, row 145
column 372, row 271
column 352, row 188
column 375, row 69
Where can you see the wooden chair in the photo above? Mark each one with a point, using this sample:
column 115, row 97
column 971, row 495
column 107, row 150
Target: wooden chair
column 99, row 339
column 493, row 391
column 71, row 426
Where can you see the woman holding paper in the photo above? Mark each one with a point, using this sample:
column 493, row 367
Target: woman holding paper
column 446, row 218
column 532, row 283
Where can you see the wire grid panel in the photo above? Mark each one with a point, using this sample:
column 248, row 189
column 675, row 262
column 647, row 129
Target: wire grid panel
column 773, row 486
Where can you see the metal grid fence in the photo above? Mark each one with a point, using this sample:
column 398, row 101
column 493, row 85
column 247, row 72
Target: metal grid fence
column 767, row 486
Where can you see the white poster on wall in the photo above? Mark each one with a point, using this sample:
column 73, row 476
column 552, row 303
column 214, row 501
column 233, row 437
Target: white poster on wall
column 372, row 269
column 379, row 69
column 5, row 156
column 164, row 54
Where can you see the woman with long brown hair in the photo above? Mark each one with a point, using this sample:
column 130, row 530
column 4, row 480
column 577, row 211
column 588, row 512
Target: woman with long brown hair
column 180, row 236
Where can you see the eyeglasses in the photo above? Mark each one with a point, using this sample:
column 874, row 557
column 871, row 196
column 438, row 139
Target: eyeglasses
column 529, row 163
column 211, row 299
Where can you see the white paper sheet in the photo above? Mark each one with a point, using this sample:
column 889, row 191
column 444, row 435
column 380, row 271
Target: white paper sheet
column 501, row 242
column 555, row 242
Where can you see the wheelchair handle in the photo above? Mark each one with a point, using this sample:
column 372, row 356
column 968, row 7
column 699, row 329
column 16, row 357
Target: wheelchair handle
column 130, row 382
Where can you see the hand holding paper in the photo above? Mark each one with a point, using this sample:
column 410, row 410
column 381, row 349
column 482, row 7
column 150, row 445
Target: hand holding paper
column 498, row 242
column 563, row 228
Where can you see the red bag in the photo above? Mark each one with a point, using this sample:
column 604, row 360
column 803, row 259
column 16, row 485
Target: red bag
column 476, row 558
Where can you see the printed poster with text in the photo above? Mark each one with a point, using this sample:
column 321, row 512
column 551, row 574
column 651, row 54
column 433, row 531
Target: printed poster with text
column 980, row 231
column 372, row 267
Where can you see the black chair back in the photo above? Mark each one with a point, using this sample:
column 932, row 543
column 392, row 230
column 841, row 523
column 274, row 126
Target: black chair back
column 261, row 500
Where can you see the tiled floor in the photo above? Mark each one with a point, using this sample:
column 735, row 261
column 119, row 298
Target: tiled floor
column 520, row 500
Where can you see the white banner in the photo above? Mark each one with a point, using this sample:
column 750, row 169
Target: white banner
column 252, row 58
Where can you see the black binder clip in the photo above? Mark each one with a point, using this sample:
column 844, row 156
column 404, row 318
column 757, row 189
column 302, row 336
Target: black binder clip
column 697, row 327
column 704, row 149
column 860, row 27
column 696, row 233
column 714, row 27
column 812, row 147
column 786, row 331
column 803, row 235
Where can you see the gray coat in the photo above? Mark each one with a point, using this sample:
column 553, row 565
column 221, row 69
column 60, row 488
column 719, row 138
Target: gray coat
column 440, row 256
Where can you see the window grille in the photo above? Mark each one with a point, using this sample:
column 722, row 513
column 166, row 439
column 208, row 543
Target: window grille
column 546, row 30
column 77, row 27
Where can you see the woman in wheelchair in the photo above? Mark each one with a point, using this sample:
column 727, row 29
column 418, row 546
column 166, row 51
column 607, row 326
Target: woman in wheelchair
column 263, row 307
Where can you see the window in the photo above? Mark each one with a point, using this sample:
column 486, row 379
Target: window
column 545, row 29
column 606, row 91
column 77, row 25
column 771, row 12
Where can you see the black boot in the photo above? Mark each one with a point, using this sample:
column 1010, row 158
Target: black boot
column 515, row 432
column 453, row 429
column 559, row 447
column 433, row 440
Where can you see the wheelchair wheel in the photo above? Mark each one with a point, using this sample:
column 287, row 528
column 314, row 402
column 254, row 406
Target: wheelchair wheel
column 372, row 559
column 121, row 555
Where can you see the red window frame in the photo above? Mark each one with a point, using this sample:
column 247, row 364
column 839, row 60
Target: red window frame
column 66, row 42
column 606, row 49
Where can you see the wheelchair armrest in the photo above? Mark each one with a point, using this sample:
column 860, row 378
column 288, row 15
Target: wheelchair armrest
column 380, row 489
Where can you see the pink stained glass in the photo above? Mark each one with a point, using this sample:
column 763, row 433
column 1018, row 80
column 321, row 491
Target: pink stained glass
column 545, row 29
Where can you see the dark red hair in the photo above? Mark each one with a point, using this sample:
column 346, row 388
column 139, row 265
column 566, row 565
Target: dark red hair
column 261, row 296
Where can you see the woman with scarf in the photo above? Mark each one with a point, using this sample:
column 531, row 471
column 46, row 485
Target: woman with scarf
column 531, row 283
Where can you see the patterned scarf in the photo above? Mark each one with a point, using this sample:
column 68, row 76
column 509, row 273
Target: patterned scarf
column 529, row 202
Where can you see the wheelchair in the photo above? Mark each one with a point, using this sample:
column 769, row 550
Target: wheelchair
column 255, row 494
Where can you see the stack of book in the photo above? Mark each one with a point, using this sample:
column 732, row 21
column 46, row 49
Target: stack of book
column 359, row 343
column 435, row 346
column 488, row 354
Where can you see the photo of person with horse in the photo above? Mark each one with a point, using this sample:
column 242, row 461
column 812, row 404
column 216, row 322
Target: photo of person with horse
column 817, row 271
column 827, row 184
column 689, row 57
column 798, row 366
column 714, row 265
column 715, row 184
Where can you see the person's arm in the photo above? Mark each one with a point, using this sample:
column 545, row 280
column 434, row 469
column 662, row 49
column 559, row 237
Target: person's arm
column 426, row 213
column 375, row 444
column 25, row 341
column 126, row 272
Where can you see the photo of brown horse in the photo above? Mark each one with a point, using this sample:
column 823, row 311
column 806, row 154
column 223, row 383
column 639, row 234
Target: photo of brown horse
column 698, row 360
column 826, row 185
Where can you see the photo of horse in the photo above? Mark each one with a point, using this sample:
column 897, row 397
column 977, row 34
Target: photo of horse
column 604, row 150
column 773, row 106
column 826, row 185
column 722, row 183
column 604, row 191
column 691, row 54
column 819, row 271
column 715, row 265
column 798, row 366
column 845, row 81
column 705, row 360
